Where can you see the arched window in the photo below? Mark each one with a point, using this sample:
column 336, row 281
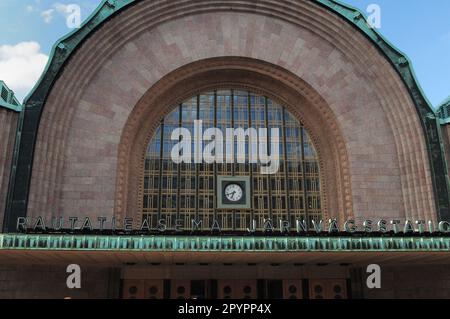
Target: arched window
column 181, row 192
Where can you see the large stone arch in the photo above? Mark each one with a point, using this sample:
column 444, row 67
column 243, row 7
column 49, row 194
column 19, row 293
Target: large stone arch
column 234, row 72
column 77, row 156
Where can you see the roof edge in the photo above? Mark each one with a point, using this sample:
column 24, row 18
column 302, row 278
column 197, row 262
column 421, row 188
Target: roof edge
column 441, row 106
column 401, row 62
column 444, row 103
column 65, row 46
column 11, row 107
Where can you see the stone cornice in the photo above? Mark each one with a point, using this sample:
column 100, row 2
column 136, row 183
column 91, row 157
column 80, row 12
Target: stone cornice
column 222, row 244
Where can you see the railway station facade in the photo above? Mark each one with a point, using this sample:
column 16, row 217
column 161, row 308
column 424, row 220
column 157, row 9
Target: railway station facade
column 330, row 159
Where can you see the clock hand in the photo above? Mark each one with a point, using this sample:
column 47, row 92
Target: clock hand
column 232, row 193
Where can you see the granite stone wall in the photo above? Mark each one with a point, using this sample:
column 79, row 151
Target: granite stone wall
column 49, row 282
column 412, row 282
column 79, row 166
column 405, row 282
column 8, row 125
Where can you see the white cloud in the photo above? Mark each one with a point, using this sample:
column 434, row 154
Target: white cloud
column 47, row 15
column 21, row 65
column 61, row 8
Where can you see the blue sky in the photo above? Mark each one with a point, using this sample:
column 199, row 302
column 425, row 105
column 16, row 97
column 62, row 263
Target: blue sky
column 419, row 28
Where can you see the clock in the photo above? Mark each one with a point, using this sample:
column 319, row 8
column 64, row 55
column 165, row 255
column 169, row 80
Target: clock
column 233, row 192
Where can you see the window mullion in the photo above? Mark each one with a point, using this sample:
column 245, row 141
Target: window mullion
column 305, row 200
column 161, row 164
column 286, row 174
column 269, row 186
column 180, row 124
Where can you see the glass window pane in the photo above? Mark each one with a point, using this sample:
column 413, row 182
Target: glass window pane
column 188, row 190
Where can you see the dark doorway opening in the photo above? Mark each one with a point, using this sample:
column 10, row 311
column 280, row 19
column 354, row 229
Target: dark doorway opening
column 274, row 289
column 198, row 289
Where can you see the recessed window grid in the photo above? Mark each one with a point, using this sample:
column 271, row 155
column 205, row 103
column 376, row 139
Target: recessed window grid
column 188, row 191
column 4, row 94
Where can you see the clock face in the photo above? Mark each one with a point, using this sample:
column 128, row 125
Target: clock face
column 234, row 192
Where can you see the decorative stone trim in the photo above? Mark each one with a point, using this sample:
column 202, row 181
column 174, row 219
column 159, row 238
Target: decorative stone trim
column 222, row 244
column 244, row 73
